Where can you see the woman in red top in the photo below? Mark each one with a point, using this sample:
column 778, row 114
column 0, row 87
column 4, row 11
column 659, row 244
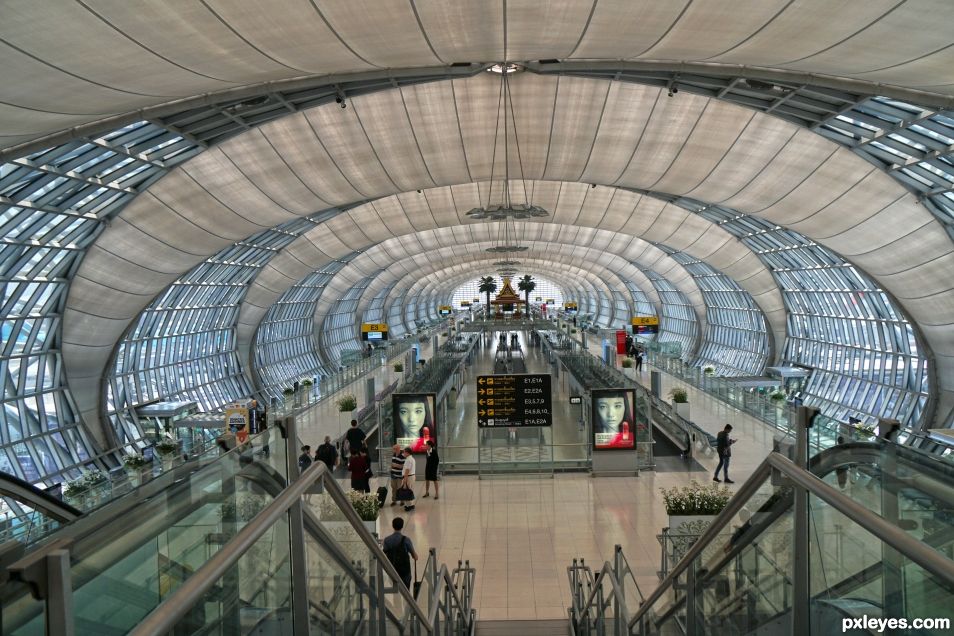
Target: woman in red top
column 359, row 466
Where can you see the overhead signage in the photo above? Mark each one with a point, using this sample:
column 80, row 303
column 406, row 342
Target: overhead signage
column 576, row 399
column 444, row 310
column 514, row 400
column 645, row 320
column 465, row 303
column 645, row 325
column 550, row 301
column 374, row 331
column 476, row 300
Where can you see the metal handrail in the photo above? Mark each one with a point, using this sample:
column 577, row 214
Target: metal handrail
column 899, row 540
column 175, row 607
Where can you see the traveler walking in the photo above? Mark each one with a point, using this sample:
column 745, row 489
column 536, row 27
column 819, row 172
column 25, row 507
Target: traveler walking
column 408, row 476
column 724, row 448
column 430, row 471
column 358, row 466
column 396, row 471
column 355, row 437
column 400, row 550
column 304, row 460
column 327, row 453
column 638, row 357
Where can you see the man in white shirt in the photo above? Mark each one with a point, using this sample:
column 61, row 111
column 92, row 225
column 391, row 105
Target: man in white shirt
column 407, row 479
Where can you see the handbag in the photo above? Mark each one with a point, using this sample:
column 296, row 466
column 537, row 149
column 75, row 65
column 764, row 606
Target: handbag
column 404, row 494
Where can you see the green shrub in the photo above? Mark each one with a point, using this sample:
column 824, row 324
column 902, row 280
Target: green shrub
column 347, row 403
column 678, row 395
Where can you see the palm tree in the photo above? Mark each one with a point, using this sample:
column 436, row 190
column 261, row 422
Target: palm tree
column 487, row 286
column 527, row 285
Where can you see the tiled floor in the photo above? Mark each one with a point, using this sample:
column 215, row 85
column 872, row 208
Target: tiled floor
column 521, row 533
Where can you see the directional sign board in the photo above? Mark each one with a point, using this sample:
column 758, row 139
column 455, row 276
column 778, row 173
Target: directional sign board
column 514, row 400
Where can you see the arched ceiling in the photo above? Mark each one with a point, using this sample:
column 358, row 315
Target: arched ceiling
column 442, row 134
column 56, row 74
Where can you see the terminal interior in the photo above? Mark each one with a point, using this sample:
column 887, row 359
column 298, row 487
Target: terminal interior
column 230, row 230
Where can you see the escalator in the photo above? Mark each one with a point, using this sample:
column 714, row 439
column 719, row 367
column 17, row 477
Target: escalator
column 133, row 555
column 36, row 499
column 872, row 539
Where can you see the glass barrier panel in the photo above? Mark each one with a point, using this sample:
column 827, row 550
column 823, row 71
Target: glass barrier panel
column 254, row 596
column 854, row 573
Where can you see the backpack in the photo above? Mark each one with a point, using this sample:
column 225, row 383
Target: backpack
column 327, row 453
column 304, row 461
column 399, row 556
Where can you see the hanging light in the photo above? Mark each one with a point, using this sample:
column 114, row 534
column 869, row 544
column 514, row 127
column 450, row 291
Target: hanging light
column 503, row 208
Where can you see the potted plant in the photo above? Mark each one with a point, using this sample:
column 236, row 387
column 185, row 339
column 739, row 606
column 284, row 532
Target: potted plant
column 167, row 447
column 709, row 370
column 694, row 502
column 134, row 463
column 347, row 403
column 627, row 363
column 79, row 488
column 778, row 397
column 398, row 367
column 680, row 401
column 367, row 506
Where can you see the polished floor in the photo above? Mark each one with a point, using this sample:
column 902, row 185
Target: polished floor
column 521, row 532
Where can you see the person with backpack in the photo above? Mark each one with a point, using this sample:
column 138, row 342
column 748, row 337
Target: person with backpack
column 327, row 453
column 400, row 550
column 304, row 460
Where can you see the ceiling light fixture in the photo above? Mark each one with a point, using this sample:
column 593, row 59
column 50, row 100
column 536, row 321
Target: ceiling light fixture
column 503, row 208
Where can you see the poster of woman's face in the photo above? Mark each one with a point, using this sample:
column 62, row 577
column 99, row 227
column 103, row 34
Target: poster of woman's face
column 413, row 417
column 613, row 426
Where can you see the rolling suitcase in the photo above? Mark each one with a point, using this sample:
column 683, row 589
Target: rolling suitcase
column 382, row 496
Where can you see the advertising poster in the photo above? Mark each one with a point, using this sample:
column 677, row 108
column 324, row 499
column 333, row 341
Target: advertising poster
column 613, row 419
column 236, row 420
column 413, row 415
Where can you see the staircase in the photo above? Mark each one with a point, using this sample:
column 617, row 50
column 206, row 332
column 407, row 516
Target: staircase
column 555, row 627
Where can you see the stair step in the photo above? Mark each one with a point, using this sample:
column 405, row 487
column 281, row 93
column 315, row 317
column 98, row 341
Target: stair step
column 555, row 627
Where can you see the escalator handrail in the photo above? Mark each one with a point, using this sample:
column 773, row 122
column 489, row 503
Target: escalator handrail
column 25, row 492
column 904, row 543
column 175, row 607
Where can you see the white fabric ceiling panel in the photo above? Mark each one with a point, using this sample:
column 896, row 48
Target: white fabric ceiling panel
column 676, row 229
column 794, row 162
column 120, row 274
column 384, row 32
column 575, row 124
column 904, row 47
column 758, row 144
column 348, row 235
column 291, row 31
column 390, row 215
column 70, row 43
column 804, row 29
column 594, row 206
column 433, row 115
column 620, row 210
column 695, row 35
column 716, row 133
column 441, row 206
column 866, row 199
column 644, row 215
column 342, row 137
column 663, row 139
column 324, row 239
column 535, row 127
column 627, row 109
column 305, row 155
column 370, row 225
column 526, row 41
column 215, row 195
column 626, row 28
column 461, row 30
column 385, row 130
column 252, row 160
